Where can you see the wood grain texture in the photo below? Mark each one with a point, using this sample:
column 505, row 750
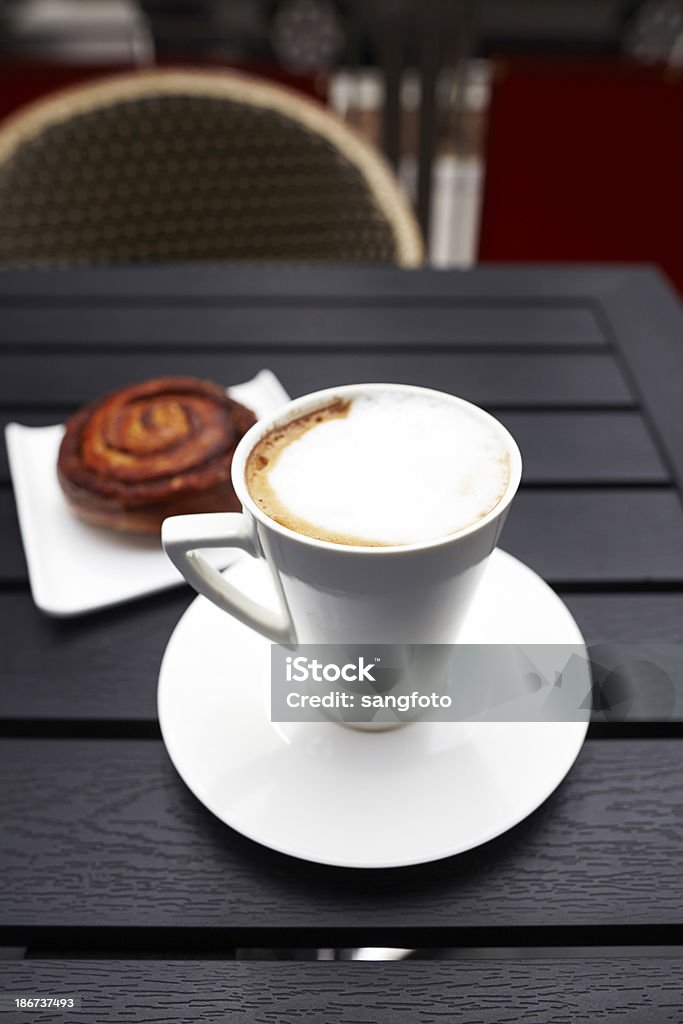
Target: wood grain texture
column 104, row 834
column 585, row 447
column 615, row 535
column 103, row 668
column 628, row 618
column 647, row 322
column 520, row 380
column 383, row 324
column 625, row 990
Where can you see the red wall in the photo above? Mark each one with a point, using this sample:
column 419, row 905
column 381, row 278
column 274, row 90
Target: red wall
column 24, row 81
column 585, row 162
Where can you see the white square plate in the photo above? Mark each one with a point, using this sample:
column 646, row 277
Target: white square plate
column 75, row 567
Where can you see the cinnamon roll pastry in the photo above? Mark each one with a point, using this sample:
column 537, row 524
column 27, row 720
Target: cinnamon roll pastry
column 156, row 449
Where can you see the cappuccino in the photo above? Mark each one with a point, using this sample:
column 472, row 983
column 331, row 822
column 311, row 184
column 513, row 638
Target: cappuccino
column 383, row 468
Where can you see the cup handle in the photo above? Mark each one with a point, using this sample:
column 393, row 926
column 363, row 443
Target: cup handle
column 184, row 536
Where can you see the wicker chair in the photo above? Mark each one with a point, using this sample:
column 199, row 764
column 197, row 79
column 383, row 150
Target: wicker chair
column 184, row 165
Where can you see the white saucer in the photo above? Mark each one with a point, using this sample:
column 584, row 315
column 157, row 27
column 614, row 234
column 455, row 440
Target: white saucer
column 335, row 795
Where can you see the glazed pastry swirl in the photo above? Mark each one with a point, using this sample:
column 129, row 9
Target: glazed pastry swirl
column 155, row 449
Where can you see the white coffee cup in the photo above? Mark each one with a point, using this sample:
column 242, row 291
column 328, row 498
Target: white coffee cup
column 338, row 593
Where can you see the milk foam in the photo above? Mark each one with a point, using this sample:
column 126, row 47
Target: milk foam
column 395, row 469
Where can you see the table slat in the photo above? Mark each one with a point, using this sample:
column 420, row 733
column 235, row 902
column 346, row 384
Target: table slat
column 237, row 282
column 628, row 618
column 647, row 320
column 620, row 535
column 102, row 666
column 120, row 324
column 583, row 989
column 585, row 447
column 103, row 833
column 520, row 380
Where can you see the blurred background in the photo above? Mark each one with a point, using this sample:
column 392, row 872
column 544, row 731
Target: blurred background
column 532, row 130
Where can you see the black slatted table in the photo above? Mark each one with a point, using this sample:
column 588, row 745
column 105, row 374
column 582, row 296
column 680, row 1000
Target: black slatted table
column 104, row 853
